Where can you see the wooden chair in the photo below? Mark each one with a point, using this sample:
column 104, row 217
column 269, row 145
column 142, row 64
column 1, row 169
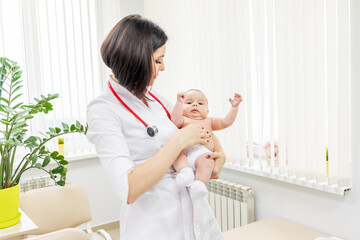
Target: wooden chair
column 56, row 208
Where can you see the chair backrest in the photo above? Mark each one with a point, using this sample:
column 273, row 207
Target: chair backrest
column 54, row 208
column 63, row 234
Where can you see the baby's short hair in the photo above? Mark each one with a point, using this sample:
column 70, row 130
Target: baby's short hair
column 193, row 89
column 198, row 91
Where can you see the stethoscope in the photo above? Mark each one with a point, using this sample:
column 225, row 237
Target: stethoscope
column 151, row 131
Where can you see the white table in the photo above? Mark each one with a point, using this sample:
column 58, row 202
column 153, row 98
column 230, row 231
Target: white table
column 273, row 229
column 19, row 230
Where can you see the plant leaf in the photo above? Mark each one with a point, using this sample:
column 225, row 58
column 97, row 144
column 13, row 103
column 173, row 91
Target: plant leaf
column 4, row 121
column 54, row 154
column 60, row 183
column 14, row 98
column 16, row 89
column 18, row 105
column 5, row 100
column 64, row 162
column 3, row 89
column 57, row 130
column 16, row 82
column 34, row 158
column 59, row 169
column 30, row 139
column 17, row 74
column 38, row 165
column 65, row 126
column 46, row 161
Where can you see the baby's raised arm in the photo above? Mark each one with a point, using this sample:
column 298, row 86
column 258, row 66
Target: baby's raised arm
column 176, row 114
column 221, row 123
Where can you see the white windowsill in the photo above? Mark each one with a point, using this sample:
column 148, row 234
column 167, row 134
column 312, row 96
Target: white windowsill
column 77, row 157
column 324, row 186
column 334, row 189
column 73, row 158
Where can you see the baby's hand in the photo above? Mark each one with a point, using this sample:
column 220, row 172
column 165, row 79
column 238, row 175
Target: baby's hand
column 236, row 101
column 180, row 97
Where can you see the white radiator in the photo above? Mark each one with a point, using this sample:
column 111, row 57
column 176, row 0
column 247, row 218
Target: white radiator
column 232, row 203
column 35, row 182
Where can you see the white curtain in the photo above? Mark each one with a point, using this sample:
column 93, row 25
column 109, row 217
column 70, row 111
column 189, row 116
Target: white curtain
column 290, row 62
column 57, row 44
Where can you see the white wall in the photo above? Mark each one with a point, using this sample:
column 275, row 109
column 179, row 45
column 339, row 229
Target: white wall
column 332, row 214
column 128, row 7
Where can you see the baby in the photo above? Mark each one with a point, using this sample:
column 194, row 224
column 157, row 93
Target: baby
column 192, row 107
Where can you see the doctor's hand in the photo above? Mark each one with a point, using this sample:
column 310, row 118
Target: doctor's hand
column 191, row 135
column 219, row 158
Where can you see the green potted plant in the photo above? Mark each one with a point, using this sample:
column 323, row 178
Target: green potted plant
column 14, row 118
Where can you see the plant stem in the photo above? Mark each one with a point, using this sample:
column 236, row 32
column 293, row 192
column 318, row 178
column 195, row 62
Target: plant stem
column 2, row 71
column 1, row 172
column 22, row 160
column 12, row 160
column 12, row 125
column 48, row 172
column 5, row 169
column 15, row 182
column 3, row 80
column 7, row 117
column 23, row 169
column 8, row 168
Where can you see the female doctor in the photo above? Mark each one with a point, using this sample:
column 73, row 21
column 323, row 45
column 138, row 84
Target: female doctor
column 137, row 143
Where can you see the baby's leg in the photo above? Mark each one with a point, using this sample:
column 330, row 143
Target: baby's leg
column 185, row 174
column 204, row 167
column 181, row 162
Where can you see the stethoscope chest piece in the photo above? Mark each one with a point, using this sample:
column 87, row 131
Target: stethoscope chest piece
column 152, row 131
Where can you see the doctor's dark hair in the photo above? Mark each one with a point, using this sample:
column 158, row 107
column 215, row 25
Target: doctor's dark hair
column 128, row 50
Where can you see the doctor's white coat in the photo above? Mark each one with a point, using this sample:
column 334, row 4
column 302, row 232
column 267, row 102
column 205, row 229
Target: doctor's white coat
column 166, row 211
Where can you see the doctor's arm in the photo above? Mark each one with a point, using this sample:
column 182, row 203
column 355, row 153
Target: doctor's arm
column 219, row 158
column 130, row 180
column 146, row 175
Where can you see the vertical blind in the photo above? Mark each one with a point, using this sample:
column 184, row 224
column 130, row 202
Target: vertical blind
column 65, row 37
column 57, row 45
column 290, row 60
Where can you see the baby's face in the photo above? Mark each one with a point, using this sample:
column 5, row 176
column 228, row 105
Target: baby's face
column 195, row 105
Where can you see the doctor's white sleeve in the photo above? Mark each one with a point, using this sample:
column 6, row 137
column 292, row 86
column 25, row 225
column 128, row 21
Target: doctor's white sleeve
column 105, row 132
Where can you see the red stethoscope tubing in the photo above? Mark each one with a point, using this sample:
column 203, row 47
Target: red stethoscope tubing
column 167, row 112
column 130, row 110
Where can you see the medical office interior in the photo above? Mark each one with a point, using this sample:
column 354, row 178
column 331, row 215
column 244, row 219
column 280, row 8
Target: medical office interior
column 293, row 146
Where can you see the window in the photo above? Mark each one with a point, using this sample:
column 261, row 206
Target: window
column 57, row 45
column 290, row 60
